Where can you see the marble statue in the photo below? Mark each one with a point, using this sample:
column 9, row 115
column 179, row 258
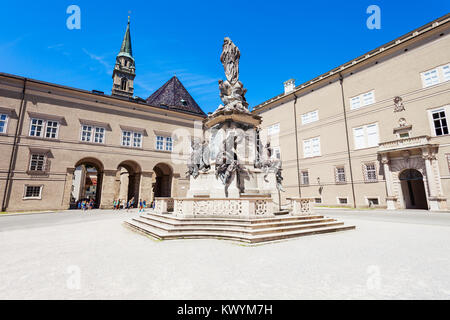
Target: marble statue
column 232, row 91
column 199, row 158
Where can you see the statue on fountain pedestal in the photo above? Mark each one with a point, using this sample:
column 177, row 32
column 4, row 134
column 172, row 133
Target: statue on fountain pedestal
column 232, row 91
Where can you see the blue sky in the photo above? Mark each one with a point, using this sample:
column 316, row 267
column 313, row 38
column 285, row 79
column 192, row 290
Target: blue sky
column 278, row 40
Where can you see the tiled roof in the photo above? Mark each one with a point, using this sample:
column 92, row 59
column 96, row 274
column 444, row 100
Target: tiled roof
column 173, row 95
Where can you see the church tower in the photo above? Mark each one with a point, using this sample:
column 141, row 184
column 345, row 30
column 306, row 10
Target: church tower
column 124, row 69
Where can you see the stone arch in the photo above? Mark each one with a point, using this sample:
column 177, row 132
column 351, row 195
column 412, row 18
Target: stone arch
column 87, row 181
column 128, row 181
column 162, row 185
column 413, row 189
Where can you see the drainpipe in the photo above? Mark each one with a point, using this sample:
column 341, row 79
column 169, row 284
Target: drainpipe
column 14, row 148
column 296, row 146
column 341, row 81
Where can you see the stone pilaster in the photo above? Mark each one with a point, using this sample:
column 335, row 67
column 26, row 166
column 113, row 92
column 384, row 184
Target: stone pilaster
column 145, row 188
column 391, row 199
column 65, row 204
column 108, row 189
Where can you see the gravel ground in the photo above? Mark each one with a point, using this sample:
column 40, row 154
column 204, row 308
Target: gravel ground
column 70, row 255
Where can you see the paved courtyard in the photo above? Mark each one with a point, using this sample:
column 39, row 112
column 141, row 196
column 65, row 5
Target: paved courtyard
column 74, row 255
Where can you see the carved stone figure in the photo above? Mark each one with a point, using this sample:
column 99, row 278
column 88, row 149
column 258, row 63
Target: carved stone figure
column 398, row 104
column 199, row 158
column 232, row 91
column 269, row 164
column 230, row 60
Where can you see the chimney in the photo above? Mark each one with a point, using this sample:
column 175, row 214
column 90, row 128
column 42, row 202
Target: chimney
column 289, row 85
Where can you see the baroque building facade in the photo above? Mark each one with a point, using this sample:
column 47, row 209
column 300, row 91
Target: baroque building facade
column 372, row 132
column 60, row 145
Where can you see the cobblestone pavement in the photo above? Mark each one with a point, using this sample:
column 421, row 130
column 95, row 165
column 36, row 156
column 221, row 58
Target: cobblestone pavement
column 74, row 255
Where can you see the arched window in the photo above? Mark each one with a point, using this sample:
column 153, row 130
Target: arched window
column 123, row 84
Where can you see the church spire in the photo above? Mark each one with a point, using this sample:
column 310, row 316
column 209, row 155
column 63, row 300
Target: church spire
column 124, row 69
column 126, row 43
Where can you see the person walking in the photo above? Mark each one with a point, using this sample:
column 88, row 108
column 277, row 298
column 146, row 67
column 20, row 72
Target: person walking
column 83, row 205
column 141, row 206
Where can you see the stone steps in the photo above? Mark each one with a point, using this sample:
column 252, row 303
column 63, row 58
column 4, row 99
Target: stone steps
column 243, row 224
column 166, row 227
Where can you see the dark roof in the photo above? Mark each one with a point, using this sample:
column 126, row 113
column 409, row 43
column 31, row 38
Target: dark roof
column 173, row 95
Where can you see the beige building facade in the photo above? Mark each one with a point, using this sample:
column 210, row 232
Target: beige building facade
column 61, row 145
column 372, row 132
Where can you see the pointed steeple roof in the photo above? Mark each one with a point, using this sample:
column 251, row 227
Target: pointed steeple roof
column 173, row 95
column 125, row 49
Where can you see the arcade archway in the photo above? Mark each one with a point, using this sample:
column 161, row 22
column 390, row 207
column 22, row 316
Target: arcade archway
column 413, row 189
column 87, row 182
column 162, row 185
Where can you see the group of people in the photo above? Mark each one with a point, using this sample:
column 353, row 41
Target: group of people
column 122, row 204
column 86, row 204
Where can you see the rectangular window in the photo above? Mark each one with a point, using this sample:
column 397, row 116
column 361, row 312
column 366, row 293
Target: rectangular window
column 51, row 129
column 276, row 154
column 437, row 75
column 37, row 162
column 370, row 172
column 362, row 100
column 99, row 135
column 3, row 123
column 137, row 140
column 169, row 144
column 446, row 72
column 311, row 147
column 318, row 200
column 37, row 128
column 273, row 129
column 366, row 136
column 373, row 202
column 310, row 117
column 92, row 134
column 340, row 174
column 439, row 122
column 159, row 143
column 342, row 201
column 33, row 192
column 86, row 133
column 305, row 178
column 355, row 103
column 126, row 138
column 430, row 78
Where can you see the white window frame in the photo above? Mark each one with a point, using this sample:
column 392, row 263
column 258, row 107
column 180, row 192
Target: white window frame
column 444, row 109
column 41, row 187
column 5, row 126
column 441, row 76
column 302, row 181
column 273, row 129
column 43, row 133
column 369, row 197
column 159, row 143
column 276, row 153
column 137, row 139
column 164, row 143
column 337, row 200
column 359, row 101
column 366, row 136
column 336, row 173
column 131, row 138
column 366, row 172
column 168, row 143
column 310, row 117
column 311, row 144
column 44, row 162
